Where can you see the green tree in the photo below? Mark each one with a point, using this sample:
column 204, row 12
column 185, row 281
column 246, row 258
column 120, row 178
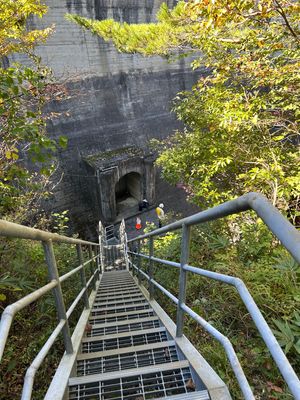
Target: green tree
column 241, row 133
column 242, row 117
column 24, row 92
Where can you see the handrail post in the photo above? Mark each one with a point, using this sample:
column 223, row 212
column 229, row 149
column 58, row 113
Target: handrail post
column 185, row 248
column 92, row 269
column 98, row 263
column 150, row 273
column 139, row 261
column 132, row 259
column 82, row 276
column 101, row 255
column 58, row 295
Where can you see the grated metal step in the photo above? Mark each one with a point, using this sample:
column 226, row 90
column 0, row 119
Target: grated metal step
column 138, row 300
column 118, row 290
column 117, row 283
column 136, row 338
column 113, row 310
column 151, row 383
column 120, row 299
column 130, row 359
column 125, row 293
column 128, row 354
column 111, row 302
column 123, row 350
column 201, row 395
column 135, row 325
column 123, row 316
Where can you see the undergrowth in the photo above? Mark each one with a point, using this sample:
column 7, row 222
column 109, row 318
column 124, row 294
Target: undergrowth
column 23, row 270
column 245, row 249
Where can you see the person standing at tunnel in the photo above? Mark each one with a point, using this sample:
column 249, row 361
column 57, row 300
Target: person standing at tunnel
column 144, row 204
column 160, row 214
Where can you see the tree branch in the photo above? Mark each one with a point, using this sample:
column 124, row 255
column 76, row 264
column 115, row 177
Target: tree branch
column 280, row 11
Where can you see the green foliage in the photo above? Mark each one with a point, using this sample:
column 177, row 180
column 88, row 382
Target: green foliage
column 23, row 270
column 14, row 36
column 243, row 248
column 24, row 91
column 61, row 222
column 241, row 118
column 288, row 333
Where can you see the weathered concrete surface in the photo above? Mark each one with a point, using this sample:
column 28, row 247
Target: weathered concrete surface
column 126, row 172
column 115, row 99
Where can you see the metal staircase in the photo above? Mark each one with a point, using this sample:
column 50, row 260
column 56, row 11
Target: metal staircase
column 127, row 352
column 124, row 345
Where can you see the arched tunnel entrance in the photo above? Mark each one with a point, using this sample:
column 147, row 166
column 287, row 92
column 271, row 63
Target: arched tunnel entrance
column 128, row 192
column 124, row 177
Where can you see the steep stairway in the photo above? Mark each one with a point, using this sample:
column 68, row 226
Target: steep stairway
column 124, row 345
column 127, row 353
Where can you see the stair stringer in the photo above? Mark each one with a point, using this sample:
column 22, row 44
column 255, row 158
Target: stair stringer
column 216, row 387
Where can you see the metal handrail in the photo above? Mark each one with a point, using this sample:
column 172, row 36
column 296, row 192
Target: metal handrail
column 9, row 229
column 276, row 222
column 225, row 342
column 281, row 228
column 109, row 232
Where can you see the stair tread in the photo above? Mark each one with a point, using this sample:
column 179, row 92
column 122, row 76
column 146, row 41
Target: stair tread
column 128, row 300
column 200, row 395
column 107, row 290
column 125, row 322
column 121, row 306
column 78, row 380
column 124, row 350
column 123, row 313
column 123, row 334
column 113, row 295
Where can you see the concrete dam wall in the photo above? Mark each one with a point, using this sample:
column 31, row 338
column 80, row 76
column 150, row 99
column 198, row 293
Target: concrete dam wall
column 116, row 104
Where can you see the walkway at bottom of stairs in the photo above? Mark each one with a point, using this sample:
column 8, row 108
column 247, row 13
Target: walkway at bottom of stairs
column 127, row 353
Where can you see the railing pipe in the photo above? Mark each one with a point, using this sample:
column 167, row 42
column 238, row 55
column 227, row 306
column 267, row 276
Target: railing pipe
column 278, row 355
column 10, row 311
column 10, row 229
column 82, row 276
column 139, row 262
column 79, row 296
column 151, row 288
column 234, row 362
column 155, row 259
column 185, row 248
column 58, row 296
column 98, row 263
column 32, row 370
column 101, row 252
column 92, row 265
column 73, row 271
column 165, row 291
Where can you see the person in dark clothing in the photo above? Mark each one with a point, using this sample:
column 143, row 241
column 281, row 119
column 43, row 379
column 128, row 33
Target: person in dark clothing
column 143, row 205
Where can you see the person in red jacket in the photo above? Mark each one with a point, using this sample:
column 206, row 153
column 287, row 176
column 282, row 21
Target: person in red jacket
column 138, row 224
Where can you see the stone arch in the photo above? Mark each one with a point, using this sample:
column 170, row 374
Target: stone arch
column 122, row 174
column 128, row 192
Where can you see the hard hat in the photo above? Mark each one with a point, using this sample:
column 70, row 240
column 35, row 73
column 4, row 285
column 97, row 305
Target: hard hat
column 161, row 205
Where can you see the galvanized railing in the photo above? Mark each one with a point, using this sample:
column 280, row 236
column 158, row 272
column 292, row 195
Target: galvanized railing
column 109, row 232
column 9, row 229
column 281, row 228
